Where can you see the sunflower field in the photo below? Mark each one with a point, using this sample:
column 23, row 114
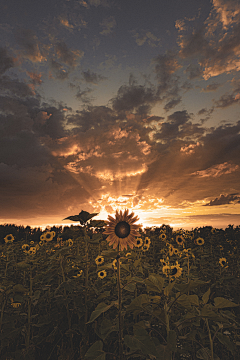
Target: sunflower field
column 110, row 290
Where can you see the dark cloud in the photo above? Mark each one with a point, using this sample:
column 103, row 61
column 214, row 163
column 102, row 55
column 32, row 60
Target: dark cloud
column 60, row 72
column 134, row 97
column 14, row 87
column 226, row 101
column 194, row 71
column 6, row 62
column 92, row 77
column 67, row 56
column 30, row 45
column 83, row 95
column 225, row 199
column 108, row 25
column 212, row 87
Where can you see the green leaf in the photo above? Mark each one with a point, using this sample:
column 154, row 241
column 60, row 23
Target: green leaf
column 207, row 312
column 19, row 288
column 83, row 217
column 106, row 328
column 154, row 283
column 95, row 351
column 130, row 287
column 204, row 353
column 137, row 263
column 138, row 302
column 227, row 342
column 183, row 288
column 101, row 308
column 97, row 223
column 109, row 253
column 220, row 303
column 205, row 296
column 184, row 301
column 168, row 289
column 104, row 295
column 194, row 299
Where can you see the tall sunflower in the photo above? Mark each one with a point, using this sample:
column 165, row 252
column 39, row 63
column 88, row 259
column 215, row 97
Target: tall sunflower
column 122, row 230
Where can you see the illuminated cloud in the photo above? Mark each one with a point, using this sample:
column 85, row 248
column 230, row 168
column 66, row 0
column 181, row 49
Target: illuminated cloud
column 217, row 170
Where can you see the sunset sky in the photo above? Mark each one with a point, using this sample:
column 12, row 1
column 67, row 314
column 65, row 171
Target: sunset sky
column 120, row 104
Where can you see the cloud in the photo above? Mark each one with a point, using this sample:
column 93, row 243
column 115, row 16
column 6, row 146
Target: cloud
column 216, row 52
column 225, row 199
column 92, row 77
column 61, row 73
column 14, row 87
column 134, row 97
column 6, row 62
column 146, row 35
column 31, row 47
column 67, row 56
column 108, row 25
column 217, row 170
column 211, row 87
column 83, row 95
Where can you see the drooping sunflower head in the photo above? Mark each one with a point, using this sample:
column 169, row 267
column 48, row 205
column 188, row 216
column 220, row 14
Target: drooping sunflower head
column 122, row 230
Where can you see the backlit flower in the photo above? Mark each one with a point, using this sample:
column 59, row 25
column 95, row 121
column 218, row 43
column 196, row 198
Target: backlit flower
column 9, row 238
column 102, row 274
column 223, row 262
column 199, row 241
column 99, row 260
column 122, row 230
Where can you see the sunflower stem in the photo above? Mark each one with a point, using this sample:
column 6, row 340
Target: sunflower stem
column 120, row 332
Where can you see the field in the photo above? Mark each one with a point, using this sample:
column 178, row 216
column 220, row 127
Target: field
column 66, row 294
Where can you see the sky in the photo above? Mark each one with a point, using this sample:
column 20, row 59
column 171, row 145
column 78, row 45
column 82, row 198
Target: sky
column 109, row 105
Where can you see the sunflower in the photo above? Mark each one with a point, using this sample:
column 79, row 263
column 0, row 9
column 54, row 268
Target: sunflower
column 128, row 254
column 79, row 274
column 139, row 242
column 176, row 270
column 223, row 262
column 147, row 241
column 99, row 260
column 145, row 248
column 171, row 249
column 102, row 274
column 199, row 241
column 114, row 266
column 49, row 235
column 70, row 242
column 165, row 269
column 213, row 231
column 180, row 240
column 164, row 263
column 175, row 251
column 32, row 250
column 9, row 238
column 163, row 236
column 122, row 230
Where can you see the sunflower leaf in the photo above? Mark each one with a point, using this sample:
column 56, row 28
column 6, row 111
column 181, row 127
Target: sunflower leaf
column 220, row 303
column 101, row 308
column 83, row 217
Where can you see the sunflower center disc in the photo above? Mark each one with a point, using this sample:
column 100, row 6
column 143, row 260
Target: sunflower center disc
column 122, row 229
